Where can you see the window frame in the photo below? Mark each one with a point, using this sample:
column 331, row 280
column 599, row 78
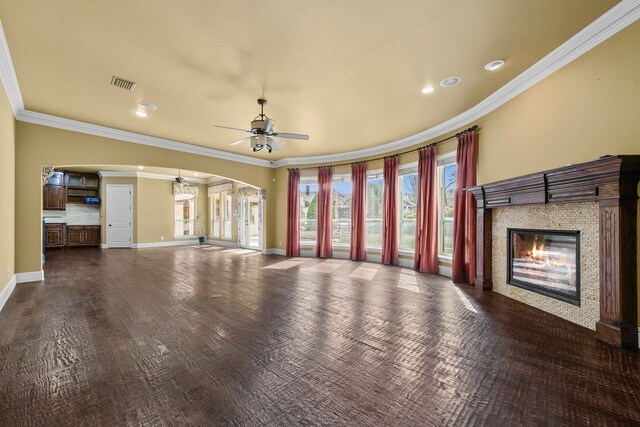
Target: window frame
column 340, row 179
column 226, row 201
column 192, row 220
column 404, row 170
column 307, row 180
column 373, row 175
column 214, row 196
column 442, row 161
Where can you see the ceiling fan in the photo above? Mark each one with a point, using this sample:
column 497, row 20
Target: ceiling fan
column 262, row 133
column 179, row 179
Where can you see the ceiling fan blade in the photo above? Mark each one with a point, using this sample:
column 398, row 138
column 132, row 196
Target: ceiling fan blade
column 228, row 127
column 267, row 126
column 291, row 135
column 241, row 140
column 276, row 145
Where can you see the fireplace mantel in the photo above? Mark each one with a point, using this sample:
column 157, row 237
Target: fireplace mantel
column 612, row 182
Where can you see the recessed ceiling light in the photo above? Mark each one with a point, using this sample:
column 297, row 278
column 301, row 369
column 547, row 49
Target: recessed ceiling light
column 140, row 167
column 428, row 89
column 148, row 106
column 494, row 65
column 141, row 113
column 450, row 81
column 196, row 174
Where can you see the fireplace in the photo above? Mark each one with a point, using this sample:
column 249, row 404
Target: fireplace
column 546, row 262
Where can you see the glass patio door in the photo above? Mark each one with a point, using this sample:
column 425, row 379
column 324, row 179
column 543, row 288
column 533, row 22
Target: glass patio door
column 250, row 225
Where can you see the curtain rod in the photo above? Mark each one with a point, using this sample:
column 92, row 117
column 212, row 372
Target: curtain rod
column 474, row 127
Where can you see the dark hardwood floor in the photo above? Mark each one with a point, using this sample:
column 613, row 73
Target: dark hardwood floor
column 199, row 336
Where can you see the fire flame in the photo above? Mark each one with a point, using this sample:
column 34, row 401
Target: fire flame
column 537, row 252
column 538, row 255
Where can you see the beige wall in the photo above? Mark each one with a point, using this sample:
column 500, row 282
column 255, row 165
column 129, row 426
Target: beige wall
column 153, row 208
column 155, row 216
column 7, row 190
column 37, row 145
column 583, row 111
column 587, row 109
column 103, row 205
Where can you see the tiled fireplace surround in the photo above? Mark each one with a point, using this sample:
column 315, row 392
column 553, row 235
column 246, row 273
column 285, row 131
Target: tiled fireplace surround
column 597, row 198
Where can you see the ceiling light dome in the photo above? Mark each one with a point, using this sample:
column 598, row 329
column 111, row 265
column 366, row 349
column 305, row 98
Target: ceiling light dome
column 494, row 65
column 450, row 81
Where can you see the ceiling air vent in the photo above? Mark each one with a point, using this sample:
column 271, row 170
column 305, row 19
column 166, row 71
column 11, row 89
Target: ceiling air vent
column 124, row 84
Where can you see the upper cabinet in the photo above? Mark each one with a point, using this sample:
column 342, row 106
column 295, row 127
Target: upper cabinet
column 81, row 185
column 82, row 180
column 56, row 179
column 70, row 187
column 54, row 194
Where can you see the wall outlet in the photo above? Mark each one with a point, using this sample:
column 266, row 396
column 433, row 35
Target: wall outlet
column 161, row 237
column 280, row 244
column 8, row 270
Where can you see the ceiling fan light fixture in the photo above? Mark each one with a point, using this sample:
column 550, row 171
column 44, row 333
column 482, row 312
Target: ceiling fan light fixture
column 262, row 132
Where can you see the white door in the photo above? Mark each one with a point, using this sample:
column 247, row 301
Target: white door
column 119, row 215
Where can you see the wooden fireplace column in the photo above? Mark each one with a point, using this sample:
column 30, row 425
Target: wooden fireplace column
column 612, row 182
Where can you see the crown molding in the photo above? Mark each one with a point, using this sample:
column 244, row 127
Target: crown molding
column 137, row 138
column 611, row 22
column 8, row 76
column 616, row 19
column 147, row 175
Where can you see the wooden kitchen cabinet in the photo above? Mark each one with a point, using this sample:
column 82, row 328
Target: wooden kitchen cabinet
column 56, row 179
column 54, row 236
column 82, row 180
column 54, row 197
column 92, row 235
column 80, row 185
column 83, row 235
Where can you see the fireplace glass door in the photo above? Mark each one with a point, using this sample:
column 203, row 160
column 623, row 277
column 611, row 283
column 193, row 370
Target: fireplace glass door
column 546, row 262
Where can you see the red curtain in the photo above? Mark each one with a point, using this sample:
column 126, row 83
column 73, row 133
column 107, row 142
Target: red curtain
column 293, row 214
column 323, row 240
column 426, row 253
column 464, row 222
column 390, row 212
column 358, row 211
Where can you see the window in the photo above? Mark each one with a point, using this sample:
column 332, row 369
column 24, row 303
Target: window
column 221, row 215
column 375, row 189
column 216, row 209
column 408, row 199
column 227, row 214
column 308, row 211
column 341, row 215
column 446, row 199
column 185, row 214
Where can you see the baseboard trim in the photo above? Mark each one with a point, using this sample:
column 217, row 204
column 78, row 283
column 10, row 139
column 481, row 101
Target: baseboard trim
column 30, row 276
column 444, row 271
column 225, row 243
column 186, row 242
column 7, row 291
column 275, row 251
column 104, row 246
